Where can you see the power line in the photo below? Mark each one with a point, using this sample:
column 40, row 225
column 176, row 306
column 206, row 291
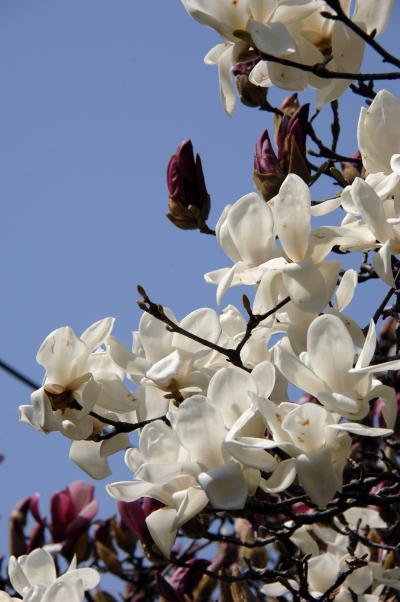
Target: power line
column 18, row 375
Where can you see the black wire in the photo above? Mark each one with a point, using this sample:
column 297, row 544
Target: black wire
column 18, row 375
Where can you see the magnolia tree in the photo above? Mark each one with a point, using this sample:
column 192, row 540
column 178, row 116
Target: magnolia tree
column 244, row 488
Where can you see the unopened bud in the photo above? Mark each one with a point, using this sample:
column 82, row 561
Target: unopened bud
column 288, row 107
column 249, row 94
column 352, row 169
column 187, row 188
column 295, row 126
column 268, row 175
column 141, row 291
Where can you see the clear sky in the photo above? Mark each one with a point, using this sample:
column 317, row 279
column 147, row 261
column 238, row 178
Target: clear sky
column 95, row 96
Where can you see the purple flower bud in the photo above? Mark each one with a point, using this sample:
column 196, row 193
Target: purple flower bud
column 265, row 159
column 296, row 126
column 290, row 104
column 187, row 188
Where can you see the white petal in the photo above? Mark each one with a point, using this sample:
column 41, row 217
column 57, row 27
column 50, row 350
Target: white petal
column 130, row 491
column 306, row 426
column 331, row 351
column 226, row 87
column 282, row 477
column 382, row 264
column 317, row 476
column 395, row 163
column 88, row 577
column 225, row 487
column 202, row 322
column 272, row 38
column 166, row 369
column 17, row 575
column 86, row 454
column 228, row 390
column 379, row 132
column 292, row 217
column 369, row 347
column 59, row 354
column 39, row 568
column 259, row 75
column 373, row 15
column 251, row 227
column 161, row 526
column 97, row 333
column 154, row 336
column 371, row 208
column 59, row 592
column 361, row 430
column 310, row 286
column 325, row 207
column 264, row 375
column 159, row 443
column 200, row 430
column 345, row 290
column 297, row 373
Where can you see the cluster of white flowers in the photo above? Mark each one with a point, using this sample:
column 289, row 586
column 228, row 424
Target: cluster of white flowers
column 288, row 29
column 217, row 433
column 34, row 577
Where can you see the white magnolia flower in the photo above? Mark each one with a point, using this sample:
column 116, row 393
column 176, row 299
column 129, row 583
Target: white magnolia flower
column 331, row 371
column 317, row 444
column 165, row 364
column 324, row 568
column 185, row 466
column 318, row 38
column 227, row 16
column 247, row 232
column 34, row 577
column 80, row 378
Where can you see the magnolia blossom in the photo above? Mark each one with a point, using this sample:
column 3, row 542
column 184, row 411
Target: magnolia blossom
column 247, row 232
column 292, row 30
column 331, row 371
column 34, row 577
column 166, row 364
column 323, row 568
column 227, row 17
column 318, row 38
column 80, row 378
column 187, row 465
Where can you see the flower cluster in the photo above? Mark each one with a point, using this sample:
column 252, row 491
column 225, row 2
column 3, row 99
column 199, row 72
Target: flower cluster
column 312, row 485
column 288, row 29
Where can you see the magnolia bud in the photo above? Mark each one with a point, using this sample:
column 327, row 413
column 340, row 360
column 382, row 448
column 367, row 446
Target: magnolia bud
column 189, row 201
column 268, row 175
column 292, row 136
column 288, row 107
column 352, row 169
column 250, row 95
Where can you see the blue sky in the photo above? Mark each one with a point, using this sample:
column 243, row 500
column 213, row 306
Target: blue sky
column 95, row 97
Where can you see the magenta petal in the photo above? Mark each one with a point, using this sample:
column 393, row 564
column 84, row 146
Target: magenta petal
column 90, row 510
column 34, row 507
column 81, row 494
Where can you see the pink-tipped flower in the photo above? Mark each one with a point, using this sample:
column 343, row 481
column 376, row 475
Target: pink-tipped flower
column 189, row 201
column 72, row 511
